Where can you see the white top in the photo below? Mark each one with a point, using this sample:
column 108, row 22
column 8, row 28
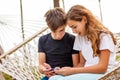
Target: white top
column 84, row 45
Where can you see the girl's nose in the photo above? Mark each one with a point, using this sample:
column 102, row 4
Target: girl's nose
column 73, row 31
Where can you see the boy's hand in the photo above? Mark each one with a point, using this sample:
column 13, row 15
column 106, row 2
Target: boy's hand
column 49, row 73
column 47, row 70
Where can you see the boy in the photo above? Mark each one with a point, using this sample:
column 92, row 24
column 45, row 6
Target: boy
column 56, row 48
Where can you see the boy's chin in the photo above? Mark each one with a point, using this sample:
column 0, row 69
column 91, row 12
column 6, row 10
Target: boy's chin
column 58, row 38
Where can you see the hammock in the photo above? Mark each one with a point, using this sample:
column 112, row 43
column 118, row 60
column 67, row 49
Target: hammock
column 1, row 75
column 112, row 75
column 21, row 62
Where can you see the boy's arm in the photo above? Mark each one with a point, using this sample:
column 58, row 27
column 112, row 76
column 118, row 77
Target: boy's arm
column 82, row 60
column 76, row 59
column 44, row 67
column 42, row 60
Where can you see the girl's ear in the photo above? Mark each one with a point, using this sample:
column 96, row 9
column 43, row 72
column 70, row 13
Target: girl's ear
column 85, row 19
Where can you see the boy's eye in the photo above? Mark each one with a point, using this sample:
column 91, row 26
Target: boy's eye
column 62, row 30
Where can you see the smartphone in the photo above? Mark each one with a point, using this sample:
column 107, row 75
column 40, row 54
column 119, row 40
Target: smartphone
column 51, row 69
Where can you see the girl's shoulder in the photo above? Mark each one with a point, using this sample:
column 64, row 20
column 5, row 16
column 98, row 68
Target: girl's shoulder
column 105, row 35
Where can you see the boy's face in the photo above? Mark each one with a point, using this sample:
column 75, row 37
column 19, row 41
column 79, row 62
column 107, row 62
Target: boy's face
column 59, row 33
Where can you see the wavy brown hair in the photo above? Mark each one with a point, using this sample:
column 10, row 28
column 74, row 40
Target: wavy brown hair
column 93, row 26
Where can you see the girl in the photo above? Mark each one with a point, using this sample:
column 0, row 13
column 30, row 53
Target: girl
column 95, row 43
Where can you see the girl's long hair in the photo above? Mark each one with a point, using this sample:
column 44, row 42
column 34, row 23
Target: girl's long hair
column 93, row 27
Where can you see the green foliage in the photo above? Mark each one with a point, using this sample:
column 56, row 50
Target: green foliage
column 117, row 58
column 34, row 70
column 7, row 77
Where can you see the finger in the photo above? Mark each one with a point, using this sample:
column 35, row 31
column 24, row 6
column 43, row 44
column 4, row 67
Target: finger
column 42, row 68
column 57, row 68
column 47, row 65
column 49, row 75
column 57, row 71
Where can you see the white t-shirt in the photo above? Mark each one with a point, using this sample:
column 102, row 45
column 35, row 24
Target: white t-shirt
column 84, row 45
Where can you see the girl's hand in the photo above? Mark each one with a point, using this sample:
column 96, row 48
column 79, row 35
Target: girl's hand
column 64, row 71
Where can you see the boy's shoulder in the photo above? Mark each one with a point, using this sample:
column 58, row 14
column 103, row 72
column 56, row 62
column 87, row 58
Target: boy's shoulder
column 44, row 37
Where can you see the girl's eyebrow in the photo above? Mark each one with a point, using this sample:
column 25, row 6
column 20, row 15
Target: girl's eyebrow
column 72, row 26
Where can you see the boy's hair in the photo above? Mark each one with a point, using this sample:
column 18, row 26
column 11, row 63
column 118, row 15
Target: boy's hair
column 55, row 18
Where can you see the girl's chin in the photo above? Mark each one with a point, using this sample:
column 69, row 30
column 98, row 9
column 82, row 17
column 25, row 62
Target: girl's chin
column 79, row 33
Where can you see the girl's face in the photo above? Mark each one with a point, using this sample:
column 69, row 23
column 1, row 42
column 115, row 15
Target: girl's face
column 78, row 27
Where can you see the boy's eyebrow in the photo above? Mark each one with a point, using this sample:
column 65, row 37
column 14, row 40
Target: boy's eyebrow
column 62, row 29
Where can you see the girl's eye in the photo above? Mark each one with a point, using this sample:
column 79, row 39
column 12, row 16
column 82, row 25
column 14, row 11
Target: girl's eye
column 74, row 27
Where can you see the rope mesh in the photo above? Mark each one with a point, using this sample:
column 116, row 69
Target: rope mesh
column 22, row 63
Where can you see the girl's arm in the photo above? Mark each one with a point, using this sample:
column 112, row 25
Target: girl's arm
column 101, row 67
